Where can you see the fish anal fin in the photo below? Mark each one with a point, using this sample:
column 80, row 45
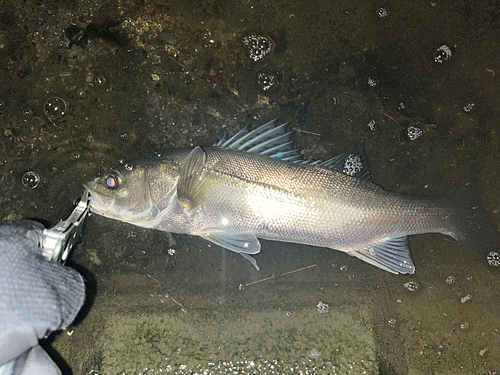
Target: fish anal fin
column 190, row 186
column 391, row 255
column 239, row 242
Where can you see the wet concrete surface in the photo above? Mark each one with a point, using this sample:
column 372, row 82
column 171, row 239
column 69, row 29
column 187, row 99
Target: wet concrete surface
column 88, row 85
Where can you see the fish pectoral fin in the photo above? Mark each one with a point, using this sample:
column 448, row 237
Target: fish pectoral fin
column 190, row 186
column 239, row 242
column 391, row 255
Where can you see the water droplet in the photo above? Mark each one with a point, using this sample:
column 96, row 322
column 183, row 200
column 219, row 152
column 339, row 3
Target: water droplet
column 401, row 106
column 2, row 104
column 323, row 308
column 465, row 299
column 469, row 107
column 450, row 279
column 443, row 53
column 413, row 132
column 55, row 108
column 372, row 82
column 100, row 80
column 267, row 81
column 411, row 286
column 493, row 259
column 392, row 322
column 27, row 111
column 30, row 179
column 352, row 165
column 371, row 125
column 315, row 353
column 464, row 325
column 382, row 12
column 258, row 46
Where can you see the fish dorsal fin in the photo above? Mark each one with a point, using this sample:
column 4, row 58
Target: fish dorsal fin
column 268, row 139
column 273, row 141
column 239, row 242
column 391, row 255
column 284, row 147
column 352, row 163
column 224, row 142
column 244, row 135
column 275, row 138
column 190, row 186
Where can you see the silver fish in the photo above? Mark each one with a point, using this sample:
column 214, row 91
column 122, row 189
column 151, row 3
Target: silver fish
column 255, row 185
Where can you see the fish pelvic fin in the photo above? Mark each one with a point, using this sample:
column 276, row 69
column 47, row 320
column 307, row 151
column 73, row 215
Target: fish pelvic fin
column 239, row 242
column 391, row 255
column 251, row 260
column 244, row 243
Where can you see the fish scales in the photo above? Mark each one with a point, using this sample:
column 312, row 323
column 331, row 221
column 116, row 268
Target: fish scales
column 303, row 204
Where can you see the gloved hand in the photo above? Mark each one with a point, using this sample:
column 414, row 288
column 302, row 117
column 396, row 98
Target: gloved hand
column 37, row 297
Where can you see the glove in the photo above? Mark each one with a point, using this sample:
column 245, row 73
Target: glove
column 37, row 296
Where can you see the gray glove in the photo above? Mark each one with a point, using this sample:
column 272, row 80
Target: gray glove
column 37, row 297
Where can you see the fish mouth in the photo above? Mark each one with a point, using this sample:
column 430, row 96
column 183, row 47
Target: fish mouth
column 103, row 202
column 100, row 202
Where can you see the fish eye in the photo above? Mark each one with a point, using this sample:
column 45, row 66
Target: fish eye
column 112, row 180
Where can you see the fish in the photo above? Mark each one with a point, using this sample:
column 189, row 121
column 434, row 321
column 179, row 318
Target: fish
column 257, row 185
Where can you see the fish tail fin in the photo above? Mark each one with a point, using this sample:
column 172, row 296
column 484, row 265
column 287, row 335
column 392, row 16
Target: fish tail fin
column 470, row 224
